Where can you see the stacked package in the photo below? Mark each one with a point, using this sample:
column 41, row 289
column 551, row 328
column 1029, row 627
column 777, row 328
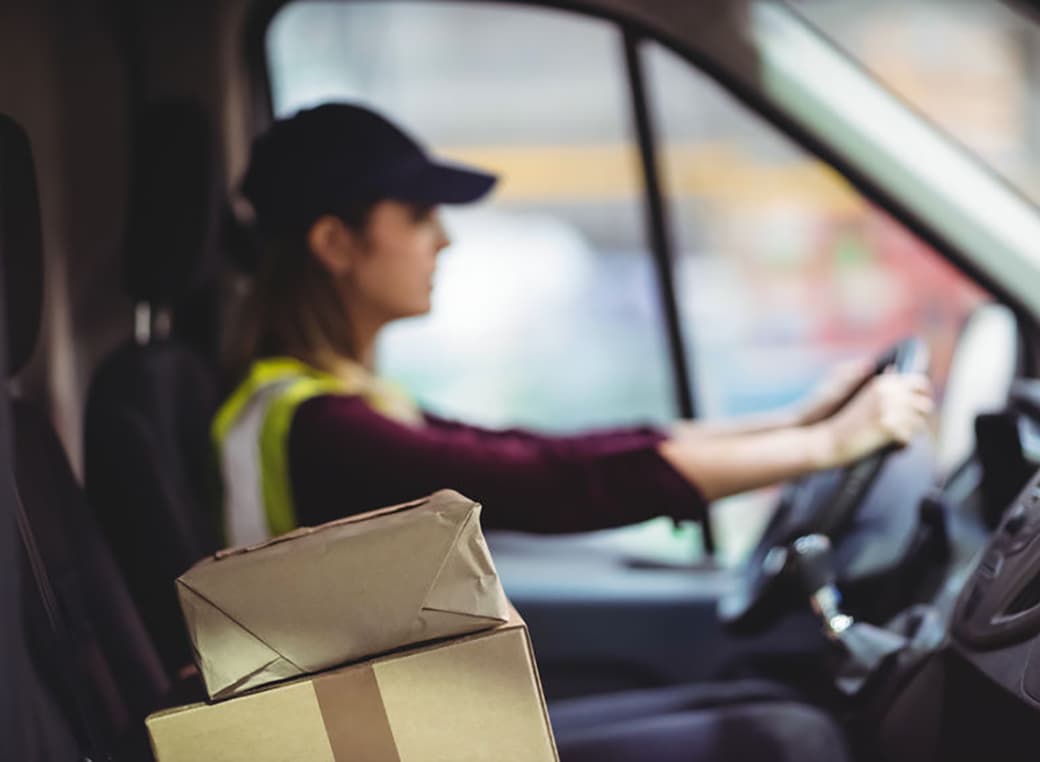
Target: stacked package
column 383, row 636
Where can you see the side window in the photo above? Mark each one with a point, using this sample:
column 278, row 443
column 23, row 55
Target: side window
column 545, row 309
column 783, row 268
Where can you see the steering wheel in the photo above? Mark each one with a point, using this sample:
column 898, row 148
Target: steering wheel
column 821, row 503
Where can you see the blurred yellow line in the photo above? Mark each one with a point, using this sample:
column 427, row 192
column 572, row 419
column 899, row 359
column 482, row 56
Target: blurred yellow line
column 714, row 172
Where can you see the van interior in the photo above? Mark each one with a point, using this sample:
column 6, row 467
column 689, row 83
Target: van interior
column 704, row 205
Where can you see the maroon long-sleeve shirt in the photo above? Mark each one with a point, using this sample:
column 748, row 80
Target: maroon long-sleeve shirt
column 345, row 457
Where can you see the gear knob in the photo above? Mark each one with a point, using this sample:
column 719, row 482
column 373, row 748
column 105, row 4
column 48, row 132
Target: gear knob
column 815, row 562
column 866, row 647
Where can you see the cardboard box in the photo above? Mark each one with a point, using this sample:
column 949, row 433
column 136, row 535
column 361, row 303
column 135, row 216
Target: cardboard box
column 321, row 597
column 472, row 699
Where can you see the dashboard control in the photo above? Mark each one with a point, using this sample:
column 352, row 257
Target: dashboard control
column 1001, row 602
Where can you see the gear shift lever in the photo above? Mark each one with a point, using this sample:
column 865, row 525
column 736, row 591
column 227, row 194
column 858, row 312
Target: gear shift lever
column 815, row 564
column 866, row 647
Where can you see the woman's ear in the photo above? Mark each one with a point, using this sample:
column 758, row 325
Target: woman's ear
column 333, row 244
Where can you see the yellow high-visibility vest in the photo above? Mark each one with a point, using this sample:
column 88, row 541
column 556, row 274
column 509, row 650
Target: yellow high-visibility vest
column 251, row 436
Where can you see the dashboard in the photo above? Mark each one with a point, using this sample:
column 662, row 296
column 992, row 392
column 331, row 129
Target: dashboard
column 996, row 623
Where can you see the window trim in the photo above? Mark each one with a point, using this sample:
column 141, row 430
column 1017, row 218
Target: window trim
column 660, row 242
column 659, row 230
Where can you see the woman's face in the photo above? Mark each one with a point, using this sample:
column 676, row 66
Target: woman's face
column 392, row 274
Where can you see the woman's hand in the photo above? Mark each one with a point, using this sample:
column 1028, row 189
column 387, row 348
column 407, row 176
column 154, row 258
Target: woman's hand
column 891, row 409
column 725, row 458
column 833, row 391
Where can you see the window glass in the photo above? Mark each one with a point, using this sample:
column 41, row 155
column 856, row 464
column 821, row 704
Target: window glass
column 969, row 66
column 784, row 269
column 545, row 310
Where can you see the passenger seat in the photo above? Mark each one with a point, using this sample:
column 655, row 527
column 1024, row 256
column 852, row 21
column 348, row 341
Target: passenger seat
column 88, row 647
column 148, row 462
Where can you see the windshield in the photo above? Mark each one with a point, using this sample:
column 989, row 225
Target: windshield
column 937, row 182
column 970, row 67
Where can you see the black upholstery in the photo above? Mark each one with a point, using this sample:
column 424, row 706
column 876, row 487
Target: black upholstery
column 30, row 724
column 123, row 674
column 745, row 720
column 103, row 651
column 148, row 455
column 148, row 469
column 21, row 245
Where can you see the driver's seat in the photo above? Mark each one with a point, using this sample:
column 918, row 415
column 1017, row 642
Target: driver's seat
column 739, row 721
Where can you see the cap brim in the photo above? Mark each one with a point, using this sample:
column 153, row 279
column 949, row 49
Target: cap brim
column 437, row 183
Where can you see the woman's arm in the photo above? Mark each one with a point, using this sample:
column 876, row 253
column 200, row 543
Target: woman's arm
column 890, row 409
column 824, row 401
column 716, row 429
column 344, row 457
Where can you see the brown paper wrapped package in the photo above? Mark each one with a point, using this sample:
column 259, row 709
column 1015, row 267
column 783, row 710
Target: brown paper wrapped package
column 324, row 596
column 472, row 699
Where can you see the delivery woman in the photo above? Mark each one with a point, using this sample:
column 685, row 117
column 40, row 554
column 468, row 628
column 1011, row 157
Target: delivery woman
column 346, row 213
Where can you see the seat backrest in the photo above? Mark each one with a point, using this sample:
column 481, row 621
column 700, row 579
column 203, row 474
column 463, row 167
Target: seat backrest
column 99, row 668
column 148, row 464
column 148, row 461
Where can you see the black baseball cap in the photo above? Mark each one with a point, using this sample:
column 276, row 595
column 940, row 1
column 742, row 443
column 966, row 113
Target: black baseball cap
column 323, row 159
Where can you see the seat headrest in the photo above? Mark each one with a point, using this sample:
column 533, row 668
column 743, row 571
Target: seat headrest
column 175, row 203
column 21, row 246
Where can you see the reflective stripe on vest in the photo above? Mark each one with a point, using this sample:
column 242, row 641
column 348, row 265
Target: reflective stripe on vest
column 251, row 435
